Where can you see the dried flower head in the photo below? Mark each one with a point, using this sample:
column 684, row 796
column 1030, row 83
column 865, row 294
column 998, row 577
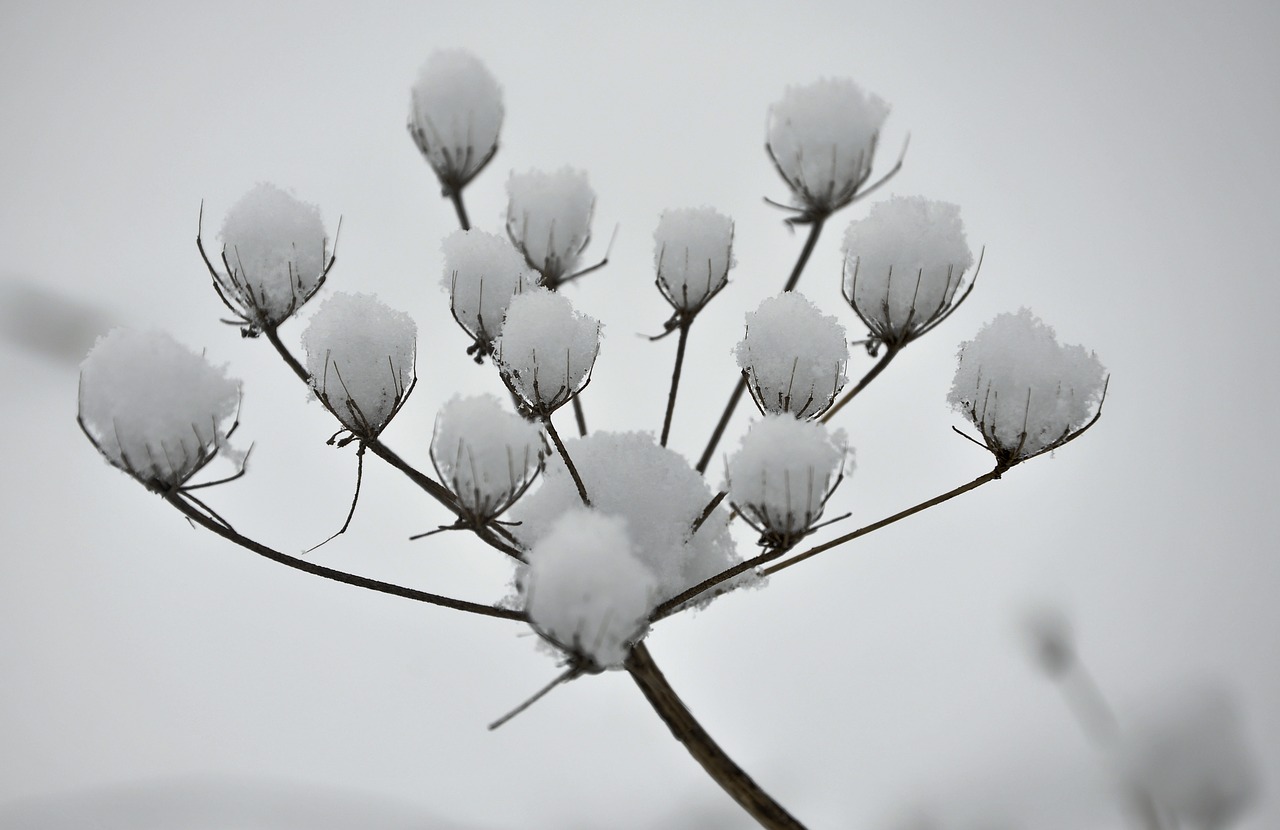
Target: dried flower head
column 482, row 272
column 455, row 115
column 486, row 456
column 692, row 254
column 546, row 350
column 794, row 356
column 549, row 220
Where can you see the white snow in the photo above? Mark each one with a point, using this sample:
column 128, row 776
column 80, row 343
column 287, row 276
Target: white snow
column 692, row 254
column 903, row 264
column 1014, row 375
column 455, row 115
column 781, row 474
column 794, row 356
column 654, row 489
column 482, row 271
column 276, row 248
column 485, row 455
column 549, row 219
column 154, row 408
column 585, row 590
column 546, row 349
column 823, row 139
column 360, row 354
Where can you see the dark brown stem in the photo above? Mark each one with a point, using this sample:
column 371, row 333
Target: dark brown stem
column 814, row 230
column 227, row 533
column 669, row 607
column 686, row 729
column 568, row 462
column 455, row 196
column 579, row 416
column 273, row 336
column 675, row 379
column 890, row 351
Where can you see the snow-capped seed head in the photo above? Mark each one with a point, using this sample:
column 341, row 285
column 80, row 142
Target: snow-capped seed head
column 360, row 355
column 549, row 219
column 275, row 255
column 692, row 253
column 154, row 408
column 781, row 476
column 822, row 139
column 455, row 114
column 903, row 264
column 486, row 456
column 794, row 356
column 546, row 349
column 1025, row 392
column 585, row 590
column 482, row 272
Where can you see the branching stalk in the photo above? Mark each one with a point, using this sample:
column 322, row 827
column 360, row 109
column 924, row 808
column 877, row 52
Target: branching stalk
column 568, row 462
column 675, row 379
column 890, row 352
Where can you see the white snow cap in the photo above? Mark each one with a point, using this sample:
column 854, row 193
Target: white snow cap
column 485, row 455
column 692, row 253
column 154, row 408
column 1190, row 757
column 822, row 137
column 360, row 354
column 455, row 114
column 1014, row 374
column 903, row 264
column 655, row 490
column 549, row 219
column 277, row 251
column 781, row 475
column 546, row 349
column 586, row 590
column 482, row 272
column 794, row 356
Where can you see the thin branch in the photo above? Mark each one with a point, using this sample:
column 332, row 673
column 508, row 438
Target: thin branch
column 579, row 416
column 568, row 462
column 890, row 352
column 455, row 195
column 814, row 230
column 273, row 337
column 675, row 379
column 568, row 674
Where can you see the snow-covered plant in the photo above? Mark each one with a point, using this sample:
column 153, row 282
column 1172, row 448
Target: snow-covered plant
column 546, row 350
column 903, row 265
column 154, row 408
column 1024, row 391
column 360, row 356
column 549, row 220
column 486, row 456
column 794, row 356
column 274, row 257
column 482, row 272
column 822, row 138
column 692, row 255
column 455, row 115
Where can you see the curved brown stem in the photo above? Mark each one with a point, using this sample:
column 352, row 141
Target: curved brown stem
column 568, row 462
column 455, row 196
column 890, row 351
column 675, row 380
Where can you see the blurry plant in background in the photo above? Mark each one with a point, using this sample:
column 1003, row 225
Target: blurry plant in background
column 607, row 533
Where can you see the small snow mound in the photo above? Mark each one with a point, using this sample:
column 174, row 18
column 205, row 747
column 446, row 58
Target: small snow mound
column 794, row 356
column 546, row 349
column 485, row 455
column 455, row 114
column 692, row 253
column 482, row 272
column 549, row 219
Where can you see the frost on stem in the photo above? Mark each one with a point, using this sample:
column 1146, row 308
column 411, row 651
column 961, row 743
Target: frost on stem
column 794, row 356
column 154, row 408
column 487, row 457
column 585, row 591
column 655, row 490
column 360, row 355
column 549, row 220
column 903, row 265
column 482, row 272
column 275, row 256
column 822, row 139
column 1025, row 392
column 692, row 254
column 546, row 350
column 783, row 474
column 455, row 114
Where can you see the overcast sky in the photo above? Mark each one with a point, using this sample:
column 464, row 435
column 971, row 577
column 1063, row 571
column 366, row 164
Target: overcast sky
column 1117, row 161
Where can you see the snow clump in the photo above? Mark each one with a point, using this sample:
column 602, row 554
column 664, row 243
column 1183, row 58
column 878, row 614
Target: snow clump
column 276, row 250
column 903, row 264
column 482, row 272
column 794, row 356
column 654, row 489
column 692, row 253
column 822, row 138
column 455, row 114
column 1025, row 392
column 586, row 591
column 486, row 456
column 360, row 355
column 546, row 349
column 549, row 219
column 154, row 408
column 781, row 476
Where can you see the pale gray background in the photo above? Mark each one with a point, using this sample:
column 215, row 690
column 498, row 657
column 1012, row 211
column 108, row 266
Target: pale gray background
column 1118, row 160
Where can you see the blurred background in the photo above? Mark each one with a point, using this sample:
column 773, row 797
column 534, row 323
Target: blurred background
column 1116, row 159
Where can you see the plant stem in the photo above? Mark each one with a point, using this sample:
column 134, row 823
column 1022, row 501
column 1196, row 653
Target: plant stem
column 455, row 195
column 815, row 229
column 675, row 379
column 273, row 336
column 890, row 351
column 580, row 417
column 568, row 462
column 686, row 729
column 667, row 608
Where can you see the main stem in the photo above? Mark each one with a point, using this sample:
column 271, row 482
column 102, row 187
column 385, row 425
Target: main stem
column 455, row 196
column 686, row 729
column 568, row 462
column 675, row 380
column 890, row 351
